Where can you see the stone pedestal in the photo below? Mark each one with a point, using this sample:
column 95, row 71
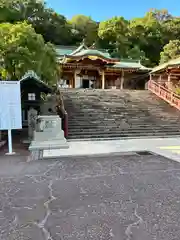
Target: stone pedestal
column 48, row 134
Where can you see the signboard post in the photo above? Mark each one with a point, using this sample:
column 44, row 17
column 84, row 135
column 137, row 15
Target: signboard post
column 10, row 152
column 10, row 109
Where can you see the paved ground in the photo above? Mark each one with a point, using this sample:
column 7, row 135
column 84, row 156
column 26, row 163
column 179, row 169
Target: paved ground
column 118, row 197
column 167, row 147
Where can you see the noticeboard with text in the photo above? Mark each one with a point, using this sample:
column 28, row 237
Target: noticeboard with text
column 10, row 105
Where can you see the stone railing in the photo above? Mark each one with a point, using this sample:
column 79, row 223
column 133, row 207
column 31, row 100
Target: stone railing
column 165, row 94
column 62, row 112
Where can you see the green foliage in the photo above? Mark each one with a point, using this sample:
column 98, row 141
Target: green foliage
column 84, row 27
column 13, row 10
column 22, row 49
column 146, row 32
column 170, row 51
column 136, row 53
column 52, row 26
column 144, row 38
column 114, row 33
column 171, row 29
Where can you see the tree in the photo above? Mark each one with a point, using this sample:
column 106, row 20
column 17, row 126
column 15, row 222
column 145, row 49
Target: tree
column 143, row 38
column 52, row 26
column 171, row 29
column 21, row 49
column 170, row 51
column 161, row 15
column 138, row 54
column 84, row 27
column 147, row 33
column 13, row 10
column 114, row 33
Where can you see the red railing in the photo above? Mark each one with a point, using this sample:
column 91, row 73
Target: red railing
column 65, row 125
column 162, row 92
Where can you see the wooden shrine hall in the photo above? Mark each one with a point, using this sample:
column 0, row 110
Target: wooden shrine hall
column 167, row 75
column 85, row 67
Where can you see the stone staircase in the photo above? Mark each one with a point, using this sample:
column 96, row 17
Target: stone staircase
column 96, row 113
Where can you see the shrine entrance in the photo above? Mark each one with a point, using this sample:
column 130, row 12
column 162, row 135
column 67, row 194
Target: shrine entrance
column 85, row 83
column 88, row 79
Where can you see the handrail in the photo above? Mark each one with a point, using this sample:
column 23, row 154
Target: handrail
column 164, row 93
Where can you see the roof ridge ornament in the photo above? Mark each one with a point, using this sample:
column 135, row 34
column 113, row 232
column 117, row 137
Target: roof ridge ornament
column 31, row 73
column 93, row 46
column 84, row 41
column 80, row 48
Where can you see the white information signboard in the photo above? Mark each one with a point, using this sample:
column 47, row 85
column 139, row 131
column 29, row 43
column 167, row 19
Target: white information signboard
column 10, row 105
column 10, row 108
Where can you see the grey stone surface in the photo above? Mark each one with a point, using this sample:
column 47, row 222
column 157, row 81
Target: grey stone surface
column 79, row 148
column 97, row 113
column 126, row 197
column 48, row 134
column 32, row 116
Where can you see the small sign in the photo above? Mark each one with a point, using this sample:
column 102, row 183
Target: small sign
column 10, row 105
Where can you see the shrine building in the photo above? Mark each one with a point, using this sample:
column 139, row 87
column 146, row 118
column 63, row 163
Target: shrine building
column 33, row 91
column 85, row 67
column 167, row 74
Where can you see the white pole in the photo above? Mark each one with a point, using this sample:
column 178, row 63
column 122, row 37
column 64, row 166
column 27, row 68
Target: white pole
column 9, row 141
column 10, row 152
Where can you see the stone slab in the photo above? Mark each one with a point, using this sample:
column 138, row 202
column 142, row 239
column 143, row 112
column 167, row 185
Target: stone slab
column 79, row 148
column 49, row 145
column 45, row 136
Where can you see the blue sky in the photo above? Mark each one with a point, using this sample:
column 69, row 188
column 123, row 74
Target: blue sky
column 103, row 9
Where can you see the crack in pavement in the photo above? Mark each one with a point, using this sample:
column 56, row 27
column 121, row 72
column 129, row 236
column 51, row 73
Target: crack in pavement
column 41, row 225
column 128, row 231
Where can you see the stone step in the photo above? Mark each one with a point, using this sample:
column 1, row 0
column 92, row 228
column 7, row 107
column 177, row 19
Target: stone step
column 121, row 114
column 115, row 135
column 95, row 131
column 117, row 110
column 132, row 131
column 121, row 128
column 135, row 128
column 120, row 118
column 117, row 113
column 93, row 123
column 123, row 120
column 119, row 106
column 149, row 122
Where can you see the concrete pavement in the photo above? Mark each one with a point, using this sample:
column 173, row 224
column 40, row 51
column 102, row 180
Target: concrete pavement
column 161, row 146
column 113, row 197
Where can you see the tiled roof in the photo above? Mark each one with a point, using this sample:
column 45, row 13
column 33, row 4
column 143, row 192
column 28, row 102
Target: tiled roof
column 93, row 52
column 83, row 50
column 32, row 75
column 167, row 64
column 130, row 64
column 79, row 51
column 63, row 50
